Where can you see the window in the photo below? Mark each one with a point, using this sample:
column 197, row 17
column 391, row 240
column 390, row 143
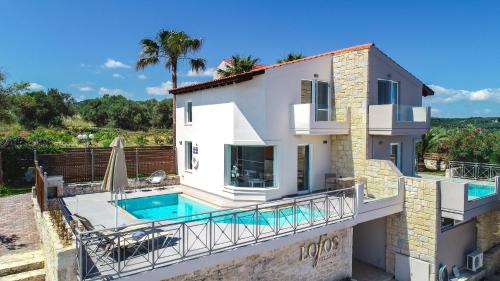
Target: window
column 189, row 113
column 249, row 166
column 388, row 92
column 395, row 155
column 188, row 152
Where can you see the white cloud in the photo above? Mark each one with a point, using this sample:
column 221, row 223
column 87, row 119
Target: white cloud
column 484, row 111
column 207, row 72
column 435, row 110
column 445, row 95
column 163, row 89
column 35, row 87
column 142, row 77
column 111, row 63
column 85, row 89
column 112, row 92
column 118, row 75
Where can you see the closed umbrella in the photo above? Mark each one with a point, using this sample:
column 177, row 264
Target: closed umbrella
column 115, row 177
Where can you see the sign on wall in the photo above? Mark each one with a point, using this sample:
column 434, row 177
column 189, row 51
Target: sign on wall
column 326, row 248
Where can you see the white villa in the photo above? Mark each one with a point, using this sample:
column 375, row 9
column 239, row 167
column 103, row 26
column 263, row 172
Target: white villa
column 279, row 129
column 348, row 117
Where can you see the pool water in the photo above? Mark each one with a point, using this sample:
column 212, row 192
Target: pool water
column 480, row 190
column 165, row 206
column 180, row 208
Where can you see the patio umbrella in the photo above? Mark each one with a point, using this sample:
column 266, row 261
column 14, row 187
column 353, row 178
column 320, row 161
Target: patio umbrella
column 115, row 177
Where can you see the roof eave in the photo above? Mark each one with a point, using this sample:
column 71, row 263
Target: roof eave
column 235, row 79
column 427, row 91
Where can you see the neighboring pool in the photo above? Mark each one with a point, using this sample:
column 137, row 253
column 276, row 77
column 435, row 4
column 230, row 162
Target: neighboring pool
column 165, row 206
column 181, row 208
column 480, row 190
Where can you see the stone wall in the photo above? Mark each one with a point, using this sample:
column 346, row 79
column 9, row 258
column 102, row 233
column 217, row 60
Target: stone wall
column 60, row 261
column 288, row 263
column 382, row 178
column 414, row 231
column 350, row 152
column 350, row 84
column 488, row 240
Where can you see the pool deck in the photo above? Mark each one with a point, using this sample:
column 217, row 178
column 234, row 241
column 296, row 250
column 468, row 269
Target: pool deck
column 100, row 211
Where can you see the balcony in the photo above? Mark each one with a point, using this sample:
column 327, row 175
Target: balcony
column 303, row 122
column 397, row 120
column 464, row 200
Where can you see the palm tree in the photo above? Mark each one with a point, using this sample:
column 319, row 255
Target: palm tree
column 171, row 47
column 237, row 65
column 290, row 57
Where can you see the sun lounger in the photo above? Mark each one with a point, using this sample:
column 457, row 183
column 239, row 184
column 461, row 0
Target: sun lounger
column 156, row 177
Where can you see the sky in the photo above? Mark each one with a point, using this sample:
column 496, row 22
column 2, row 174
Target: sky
column 89, row 48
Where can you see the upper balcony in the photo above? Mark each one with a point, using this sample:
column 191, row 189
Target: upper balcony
column 464, row 200
column 305, row 120
column 394, row 120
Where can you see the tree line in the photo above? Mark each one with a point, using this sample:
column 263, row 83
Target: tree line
column 33, row 109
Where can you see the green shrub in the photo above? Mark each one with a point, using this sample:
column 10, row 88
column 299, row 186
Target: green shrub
column 18, row 160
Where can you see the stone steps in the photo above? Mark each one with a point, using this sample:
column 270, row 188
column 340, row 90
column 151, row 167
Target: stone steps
column 27, row 266
column 32, row 275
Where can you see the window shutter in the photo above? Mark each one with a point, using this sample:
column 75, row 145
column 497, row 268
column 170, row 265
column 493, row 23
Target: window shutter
column 305, row 91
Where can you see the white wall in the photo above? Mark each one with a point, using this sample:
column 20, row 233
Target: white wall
column 369, row 241
column 380, row 148
column 455, row 243
column 254, row 112
column 410, row 93
column 382, row 67
column 224, row 115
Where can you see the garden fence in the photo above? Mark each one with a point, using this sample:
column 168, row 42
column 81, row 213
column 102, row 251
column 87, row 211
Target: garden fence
column 40, row 187
column 89, row 164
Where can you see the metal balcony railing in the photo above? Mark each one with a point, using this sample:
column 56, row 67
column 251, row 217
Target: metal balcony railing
column 476, row 171
column 111, row 253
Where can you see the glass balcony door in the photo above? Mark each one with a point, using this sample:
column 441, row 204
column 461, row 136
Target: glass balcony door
column 319, row 95
column 322, row 106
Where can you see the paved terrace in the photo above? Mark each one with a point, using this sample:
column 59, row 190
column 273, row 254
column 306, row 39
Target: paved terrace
column 17, row 225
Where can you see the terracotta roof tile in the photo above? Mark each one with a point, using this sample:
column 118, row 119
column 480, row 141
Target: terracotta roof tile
column 260, row 70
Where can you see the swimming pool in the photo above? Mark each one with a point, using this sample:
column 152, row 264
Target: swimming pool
column 167, row 206
column 181, row 208
column 480, row 190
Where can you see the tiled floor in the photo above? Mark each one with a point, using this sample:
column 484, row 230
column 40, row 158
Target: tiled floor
column 364, row 272
column 18, row 232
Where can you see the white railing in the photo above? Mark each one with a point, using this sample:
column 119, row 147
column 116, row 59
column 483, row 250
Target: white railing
column 476, row 171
